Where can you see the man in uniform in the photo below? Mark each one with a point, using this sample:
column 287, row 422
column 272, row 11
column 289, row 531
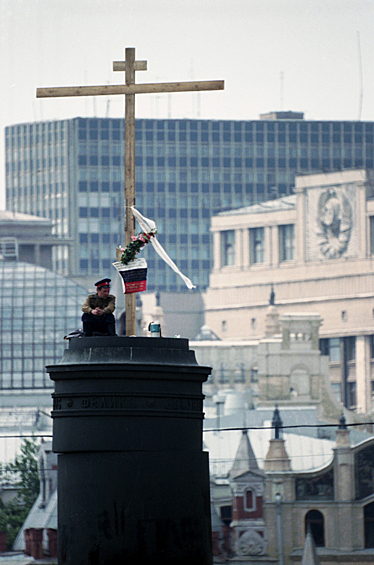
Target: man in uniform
column 98, row 311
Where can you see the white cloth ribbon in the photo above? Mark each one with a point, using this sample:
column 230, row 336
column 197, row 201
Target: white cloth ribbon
column 149, row 225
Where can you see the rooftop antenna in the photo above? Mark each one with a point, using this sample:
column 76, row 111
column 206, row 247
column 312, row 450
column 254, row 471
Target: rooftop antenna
column 281, row 89
column 360, row 76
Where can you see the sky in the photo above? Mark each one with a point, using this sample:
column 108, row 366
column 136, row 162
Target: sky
column 300, row 55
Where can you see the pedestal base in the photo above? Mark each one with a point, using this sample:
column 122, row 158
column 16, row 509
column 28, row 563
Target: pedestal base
column 138, row 508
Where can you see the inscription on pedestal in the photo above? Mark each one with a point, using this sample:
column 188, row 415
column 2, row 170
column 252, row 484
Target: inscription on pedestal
column 165, row 403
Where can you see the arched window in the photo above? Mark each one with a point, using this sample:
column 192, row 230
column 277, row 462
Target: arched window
column 314, row 519
column 369, row 525
column 249, row 500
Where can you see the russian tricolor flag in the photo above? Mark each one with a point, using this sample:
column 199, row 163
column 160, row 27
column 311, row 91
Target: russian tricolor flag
column 133, row 275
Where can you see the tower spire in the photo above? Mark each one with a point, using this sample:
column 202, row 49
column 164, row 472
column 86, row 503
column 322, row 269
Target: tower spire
column 245, row 459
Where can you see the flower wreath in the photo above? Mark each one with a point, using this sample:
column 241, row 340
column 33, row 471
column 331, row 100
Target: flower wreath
column 138, row 242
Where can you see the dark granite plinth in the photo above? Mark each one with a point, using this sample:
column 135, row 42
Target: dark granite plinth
column 133, row 481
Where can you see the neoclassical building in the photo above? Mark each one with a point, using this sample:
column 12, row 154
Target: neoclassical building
column 267, row 510
column 315, row 250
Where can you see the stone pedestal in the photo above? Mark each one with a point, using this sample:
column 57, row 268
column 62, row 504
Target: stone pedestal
column 133, row 481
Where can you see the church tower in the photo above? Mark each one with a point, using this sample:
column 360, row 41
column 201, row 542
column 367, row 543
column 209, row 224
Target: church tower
column 247, row 484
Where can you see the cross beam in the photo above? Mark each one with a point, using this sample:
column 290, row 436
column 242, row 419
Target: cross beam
column 111, row 89
column 129, row 89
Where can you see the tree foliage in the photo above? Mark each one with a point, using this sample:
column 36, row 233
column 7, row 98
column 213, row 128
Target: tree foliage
column 22, row 474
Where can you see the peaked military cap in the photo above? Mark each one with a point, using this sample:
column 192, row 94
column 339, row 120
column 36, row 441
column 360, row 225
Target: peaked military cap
column 102, row 282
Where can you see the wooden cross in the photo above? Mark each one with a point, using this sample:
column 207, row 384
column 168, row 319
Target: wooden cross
column 130, row 65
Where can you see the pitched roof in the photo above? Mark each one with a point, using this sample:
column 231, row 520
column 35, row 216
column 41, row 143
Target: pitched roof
column 245, row 459
column 285, row 203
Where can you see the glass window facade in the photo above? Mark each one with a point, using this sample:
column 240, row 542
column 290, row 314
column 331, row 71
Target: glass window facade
column 186, row 171
column 38, row 309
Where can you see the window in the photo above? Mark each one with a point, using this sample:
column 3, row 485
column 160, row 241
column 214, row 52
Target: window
column 226, row 515
column 314, row 519
column 350, row 348
column 239, row 373
column 324, row 346
column 351, row 395
column 249, row 500
column 371, row 235
column 227, row 248
column 254, row 375
column 286, row 242
column 334, row 349
column 223, row 374
column 257, row 245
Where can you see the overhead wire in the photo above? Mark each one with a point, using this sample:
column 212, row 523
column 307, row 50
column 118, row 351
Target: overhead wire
column 284, row 427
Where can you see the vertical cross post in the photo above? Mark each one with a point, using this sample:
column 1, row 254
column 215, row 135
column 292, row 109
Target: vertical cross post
column 130, row 299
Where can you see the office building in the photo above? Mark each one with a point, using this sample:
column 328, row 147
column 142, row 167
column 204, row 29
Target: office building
column 72, row 172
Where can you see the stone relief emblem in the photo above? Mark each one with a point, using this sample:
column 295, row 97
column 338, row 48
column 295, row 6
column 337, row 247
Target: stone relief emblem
column 250, row 543
column 334, row 223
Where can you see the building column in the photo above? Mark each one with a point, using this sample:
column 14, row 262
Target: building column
column 245, row 248
column 344, row 486
column 275, row 250
column 269, row 260
column 239, row 248
column 300, row 223
column 363, row 381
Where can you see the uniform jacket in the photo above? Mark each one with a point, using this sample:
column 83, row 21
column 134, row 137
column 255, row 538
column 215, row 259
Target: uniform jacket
column 93, row 301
